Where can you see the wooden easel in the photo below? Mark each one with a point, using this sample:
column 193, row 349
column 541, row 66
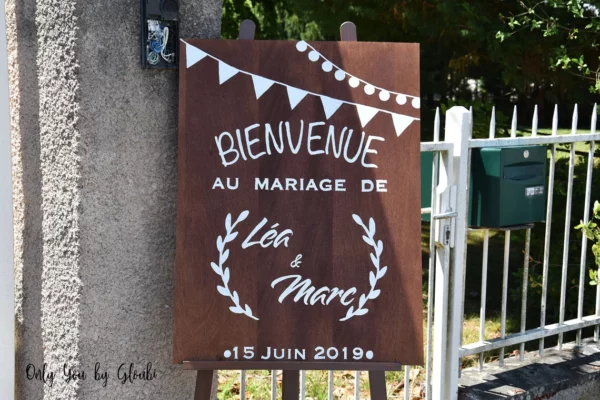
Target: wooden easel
column 291, row 377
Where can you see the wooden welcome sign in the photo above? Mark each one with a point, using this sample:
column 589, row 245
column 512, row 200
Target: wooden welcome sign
column 298, row 215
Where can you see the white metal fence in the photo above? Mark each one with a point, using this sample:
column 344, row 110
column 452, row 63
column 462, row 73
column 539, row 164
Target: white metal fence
column 448, row 252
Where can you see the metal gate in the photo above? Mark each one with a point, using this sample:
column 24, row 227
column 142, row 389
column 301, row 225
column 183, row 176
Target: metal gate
column 448, row 251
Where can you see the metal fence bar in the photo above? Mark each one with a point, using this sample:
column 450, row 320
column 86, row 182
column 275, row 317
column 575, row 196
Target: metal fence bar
column 513, row 134
column 531, row 140
column 243, row 384
column 436, row 146
column 484, row 270
column 274, row 385
column 548, row 232
column 407, row 382
column 586, row 218
column 532, row 334
column 357, row 385
column 484, row 263
column 449, row 293
column 504, row 292
column 330, row 385
column 525, row 286
column 431, row 281
column 534, row 129
column 597, row 328
column 467, row 135
column 302, row 384
column 534, row 123
column 565, row 265
column 493, row 123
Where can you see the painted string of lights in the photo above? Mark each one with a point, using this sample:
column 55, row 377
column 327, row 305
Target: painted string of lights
column 384, row 95
column 296, row 95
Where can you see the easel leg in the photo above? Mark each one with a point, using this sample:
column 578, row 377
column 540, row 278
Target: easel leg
column 203, row 385
column 377, row 385
column 291, row 385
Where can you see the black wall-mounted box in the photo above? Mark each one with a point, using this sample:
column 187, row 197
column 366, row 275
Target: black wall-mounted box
column 159, row 33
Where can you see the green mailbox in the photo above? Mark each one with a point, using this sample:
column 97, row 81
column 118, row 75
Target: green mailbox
column 508, row 186
column 426, row 180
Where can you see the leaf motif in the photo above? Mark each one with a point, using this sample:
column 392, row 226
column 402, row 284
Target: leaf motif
column 375, row 294
column 375, row 260
column 231, row 236
column 223, row 291
column 242, row 216
column 350, row 311
column 236, row 310
column 357, row 219
column 372, row 279
column 248, row 310
column 369, row 241
column 216, row 268
column 236, row 298
column 371, row 226
column 226, row 276
column 361, row 311
column 228, row 222
column 379, row 248
column 363, row 300
column 224, row 257
column 220, row 243
column 381, row 272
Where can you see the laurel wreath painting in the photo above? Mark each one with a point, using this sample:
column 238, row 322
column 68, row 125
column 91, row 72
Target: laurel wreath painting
column 225, row 273
column 369, row 238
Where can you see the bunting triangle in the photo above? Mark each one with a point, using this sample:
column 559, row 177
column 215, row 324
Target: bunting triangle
column 401, row 122
column 365, row 113
column 295, row 96
column 226, row 71
column 330, row 106
column 261, row 85
column 193, row 54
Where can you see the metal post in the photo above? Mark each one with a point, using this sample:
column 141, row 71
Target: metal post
column 7, row 278
column 458, row 131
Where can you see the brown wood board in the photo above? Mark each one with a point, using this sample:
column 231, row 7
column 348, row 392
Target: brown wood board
column 334, row 253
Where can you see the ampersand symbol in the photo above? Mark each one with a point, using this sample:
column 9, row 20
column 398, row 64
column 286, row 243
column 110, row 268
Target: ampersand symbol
column 296, row 263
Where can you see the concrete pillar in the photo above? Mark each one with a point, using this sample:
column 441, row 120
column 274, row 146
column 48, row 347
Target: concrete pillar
column 94, row 170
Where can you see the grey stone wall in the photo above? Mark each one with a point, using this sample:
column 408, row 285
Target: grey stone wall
column 94, row 155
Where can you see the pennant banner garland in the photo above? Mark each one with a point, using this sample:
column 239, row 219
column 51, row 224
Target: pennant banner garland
column 295, row 95
column 353, row 81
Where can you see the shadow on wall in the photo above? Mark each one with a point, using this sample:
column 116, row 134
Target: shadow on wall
column 538, row 380
column 27, row 183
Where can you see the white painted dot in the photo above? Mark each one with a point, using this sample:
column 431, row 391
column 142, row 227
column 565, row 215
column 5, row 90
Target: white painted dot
column 369, row 89
column 354, row 82
column 370, row 355
column 227, row 354
column 401, row 99
column 327, row 66
column 313, row 56
column 384, row 95
column 340, row 75
column 301, row 46
column 416, row 103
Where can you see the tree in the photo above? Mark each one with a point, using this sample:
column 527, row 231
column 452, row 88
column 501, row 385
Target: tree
column 462, row 62
column 573, row 28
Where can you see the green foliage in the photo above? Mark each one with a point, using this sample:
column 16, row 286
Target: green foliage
column 592, row 232
column 572, row 27
column 458, row 46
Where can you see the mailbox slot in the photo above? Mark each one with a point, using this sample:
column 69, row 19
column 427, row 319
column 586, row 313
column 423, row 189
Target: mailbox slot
column 523, row 172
